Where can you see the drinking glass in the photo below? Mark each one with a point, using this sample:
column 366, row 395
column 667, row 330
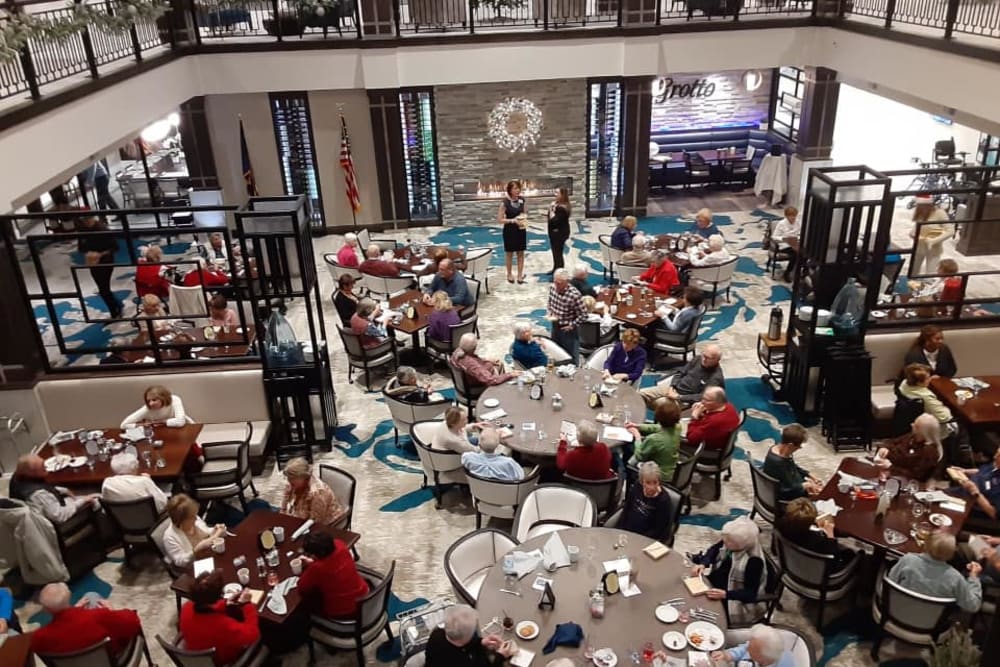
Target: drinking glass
column 589, row 646
column 912, row 487
column 917, row 510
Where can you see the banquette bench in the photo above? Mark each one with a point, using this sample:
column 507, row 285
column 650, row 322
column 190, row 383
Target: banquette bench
column 974, row 351
column 227, row 402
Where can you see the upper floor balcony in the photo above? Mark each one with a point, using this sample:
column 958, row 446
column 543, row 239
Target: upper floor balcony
column 48, row 51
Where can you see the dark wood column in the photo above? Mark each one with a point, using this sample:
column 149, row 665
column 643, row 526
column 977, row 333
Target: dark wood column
column 378, row 18
column 819, row 113
column 388, row 139
column 637, row 110
column 197, row 144
column 20, row 354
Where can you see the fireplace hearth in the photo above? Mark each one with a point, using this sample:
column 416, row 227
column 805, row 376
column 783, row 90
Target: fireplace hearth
column 494, row 190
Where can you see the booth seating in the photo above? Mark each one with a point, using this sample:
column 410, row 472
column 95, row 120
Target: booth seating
column 676, row 142
column 972, row 349
column 224, row 401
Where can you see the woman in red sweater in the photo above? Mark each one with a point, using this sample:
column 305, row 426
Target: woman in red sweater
column 661, row 275
column 210, row 621
column 331, row 577
column 590, row 459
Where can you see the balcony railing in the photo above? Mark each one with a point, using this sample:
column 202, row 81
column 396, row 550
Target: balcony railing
column 45, row 65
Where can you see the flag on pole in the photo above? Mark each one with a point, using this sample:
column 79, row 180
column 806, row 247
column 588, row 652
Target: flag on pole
column 248, row 178
column 347, row 162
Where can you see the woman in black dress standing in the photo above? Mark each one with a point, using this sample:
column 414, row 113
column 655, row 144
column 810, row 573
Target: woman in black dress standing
column 99, row 253
column 513, row 214
column 559, row 211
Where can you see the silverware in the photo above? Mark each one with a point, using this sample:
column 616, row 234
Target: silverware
column 706, row 611
column 510, row 592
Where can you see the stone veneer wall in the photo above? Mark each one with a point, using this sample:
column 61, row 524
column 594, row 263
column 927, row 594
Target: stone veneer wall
column 465, row 151
column 730, row 103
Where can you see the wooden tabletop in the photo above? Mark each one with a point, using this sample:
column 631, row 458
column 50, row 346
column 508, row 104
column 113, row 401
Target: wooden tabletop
column 15, row 650
column 859, row 521
column 643, row 305
column 628, row 623
column 236, row 344
column 711, row 155
column 409, row 263
column 177, row 444
column 245, row 544
column 982, row 410
column 400, row 301
column 521, row 408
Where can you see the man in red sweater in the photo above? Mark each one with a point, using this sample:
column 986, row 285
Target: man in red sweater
column 374, row 265
column 331, row 578
column 590, row 459
column 76, row 627
column 713, row 419
column 661, row 275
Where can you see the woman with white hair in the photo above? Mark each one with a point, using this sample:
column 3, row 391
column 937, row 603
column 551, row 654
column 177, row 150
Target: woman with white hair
column 457, row 642
column 916, row 454
column 929, row 573
column 306, row 497
column 647, row 507
column 452, row 433
column 766, row 648
column 348, row 255
column 365, row 323
column 703, row 225
column 715, row 254
column 152, row 309
column 208, row 274
column 587, row 458
column 526, row 350
column 481, row 371
column 127, row 484
column 735, row 569
column 151, row 275
column 640, row 254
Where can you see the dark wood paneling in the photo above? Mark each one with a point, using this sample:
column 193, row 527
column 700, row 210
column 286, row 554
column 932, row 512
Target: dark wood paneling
column 637, row 112
column 388, row 139
column 819, row 113
column 20, row 345
column 197, row 144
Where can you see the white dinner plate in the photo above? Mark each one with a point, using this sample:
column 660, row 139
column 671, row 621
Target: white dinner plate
column 231, row 591
column 667, row 613
column 940, row 520
column 491, row 402
column 670, row 300
column 631, row 316
column 605, row 657
column 673, row 640
column 879, row 314
column 704, row 636
column 77, row 461
column 526, row 630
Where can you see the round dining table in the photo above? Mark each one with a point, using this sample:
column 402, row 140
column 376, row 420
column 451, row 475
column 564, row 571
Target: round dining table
column 628, row 623
column 624, row 405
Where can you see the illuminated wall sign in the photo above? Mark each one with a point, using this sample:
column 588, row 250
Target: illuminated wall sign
column 664, row 89
column 709, row 101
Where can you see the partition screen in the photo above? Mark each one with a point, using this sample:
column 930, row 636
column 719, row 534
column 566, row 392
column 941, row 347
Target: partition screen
column 416, row 116
column 604, row 122
column 787, row 103
column 297, row 152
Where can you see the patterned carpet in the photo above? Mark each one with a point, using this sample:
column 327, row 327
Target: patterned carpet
column 398, row 519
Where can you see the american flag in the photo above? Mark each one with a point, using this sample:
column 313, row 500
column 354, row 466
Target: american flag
column 347, row 162
column 248, row 178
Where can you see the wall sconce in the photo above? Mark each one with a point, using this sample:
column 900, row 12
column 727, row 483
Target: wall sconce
column 752, row 80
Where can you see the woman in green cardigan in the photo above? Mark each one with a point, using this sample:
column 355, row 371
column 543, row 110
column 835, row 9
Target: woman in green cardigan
column 659, row 442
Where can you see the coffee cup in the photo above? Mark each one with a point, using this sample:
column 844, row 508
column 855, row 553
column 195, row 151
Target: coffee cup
column 296, row 564
column 218, row 545
column 844, row 487
column 574, row 553
column 239, row 562
column 279, row 534
column 243, row 574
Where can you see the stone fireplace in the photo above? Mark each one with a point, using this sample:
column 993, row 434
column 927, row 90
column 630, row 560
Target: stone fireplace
column 494, row 190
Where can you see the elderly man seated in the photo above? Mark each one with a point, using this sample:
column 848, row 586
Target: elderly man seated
column 641, row 253
column 713, row 419
column 374, row 265
column 452, row 282
column 714, row 255
column 532, row 352
column 766, row 648
column 579, row 280
column 487, row 462
column 457, row 642
column 409, row 389
column 929, row 573
column 76, row 627
column 127, row 484
column 481, row 371
column 57, row 503
column 687, row 385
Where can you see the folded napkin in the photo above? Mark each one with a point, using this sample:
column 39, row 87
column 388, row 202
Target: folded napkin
column 525, row 562
column 554, row 552
column 970, row 383
column 302, row 530
column 566, row 634
column 851, row 479
column 276, row 601
column 828, row 506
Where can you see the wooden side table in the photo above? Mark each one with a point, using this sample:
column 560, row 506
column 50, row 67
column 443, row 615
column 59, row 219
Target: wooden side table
column 771, row 354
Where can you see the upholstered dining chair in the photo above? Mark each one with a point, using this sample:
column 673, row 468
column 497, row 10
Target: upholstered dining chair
column 715, row 462
column 766, row 502
column 628, row 273
column 469, row 559
column 477, row 265
column 802, row 650
column 466, row 391
column 907, row 615
column 666, row 342
column 812, row 576
column 443, row 468
column 605, row 492
column 225, row 474
column 99, row 655
column 440, row 350
column 254, row 656
column 713, row 280
column 552, row 507
column 367, row 358
column 344, row 486
column 468, row 311
column 500, row 498
column 405, row 414
column 610, row 255
column 684, row 473
column 134, row 519
column 668, row 531
column 591, row 337
column 336, row 269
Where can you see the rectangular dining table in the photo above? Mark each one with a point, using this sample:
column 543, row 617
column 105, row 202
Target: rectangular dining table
column 641, row 313
column 245, row 543
column 235, row 343
column 177, row 443
column 410, row 263
column 412, row 326
column 857, row 519
column 979, row 411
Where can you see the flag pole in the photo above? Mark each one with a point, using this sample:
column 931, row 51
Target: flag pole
column 343, row 128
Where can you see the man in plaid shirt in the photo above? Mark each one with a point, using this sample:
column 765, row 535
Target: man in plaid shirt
column 566, row 312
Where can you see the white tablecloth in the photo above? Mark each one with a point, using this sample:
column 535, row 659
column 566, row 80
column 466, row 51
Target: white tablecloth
column 772, row 175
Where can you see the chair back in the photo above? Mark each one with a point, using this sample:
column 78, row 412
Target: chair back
column 717, row 275
column 629, row 272
column 679, row 340
column 441, row 460
column 467, row 325
column 603, row 492
column 472, row 555
column 336, row 270
column 751, row 151
column 188, row 301
column 676, row 507
column 695, row 166
column 554, row 504
column 499, row 493
column 712, row 460
column 239, row 474
column 600, row 355
column 610, row 254
column 352, row 344
column 591, row 338
column 944, row 149
column 374, row 606
column 802, row 566
column 95, row 655
column 738, row 167
column 466, row 392
column 684, row 470
column 185, row 658
column 134, row 518
column 477, row 262
column 474, row 289
column 765, row 492
column 911, row 611
column 342, row 483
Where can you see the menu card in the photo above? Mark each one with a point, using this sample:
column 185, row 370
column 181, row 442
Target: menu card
column 522, row 658
column 203, row 565
column 696, row 585
column 617, row 433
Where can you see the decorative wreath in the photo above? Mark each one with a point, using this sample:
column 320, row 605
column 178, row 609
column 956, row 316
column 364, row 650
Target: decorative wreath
column 515, row 124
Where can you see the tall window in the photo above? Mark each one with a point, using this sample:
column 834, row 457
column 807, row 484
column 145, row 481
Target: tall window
column 296, row 150
column 604, row 151
column 787, row 102
column 416, row 116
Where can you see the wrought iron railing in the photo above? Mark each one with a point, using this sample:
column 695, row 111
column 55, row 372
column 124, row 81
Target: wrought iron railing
column 93, row 51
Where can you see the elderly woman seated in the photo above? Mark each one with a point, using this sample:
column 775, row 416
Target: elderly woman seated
column 457, row 642
column 409, row 389
column 659, row 443
column 916, row 384
column 930, row 574
column 647, row 506
column 331, row 579
column 627, row 360
column 586, row 458
column 453, row 432
column 481, row 371
column 716, row 253
column 597, row 312
column 641, row 253
column 306, row 497
column 127, row 484
column 152, row 309
column 735, row 569
column 766, row 648
column 579, row 280
column 211, row 621
column 187, row 536
column 221, row 315
column 916, row 454
column 442, row 318
column 532, row 352
column 799, row 524
column 367, row 323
